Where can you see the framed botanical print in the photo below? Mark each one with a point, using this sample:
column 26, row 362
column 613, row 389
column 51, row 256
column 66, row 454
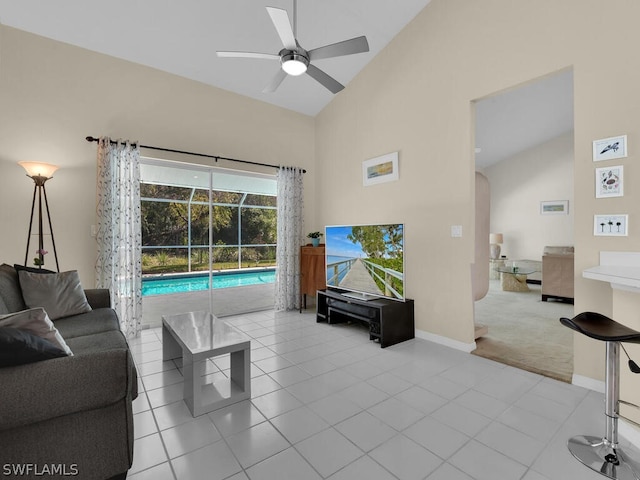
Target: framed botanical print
column 609, row 181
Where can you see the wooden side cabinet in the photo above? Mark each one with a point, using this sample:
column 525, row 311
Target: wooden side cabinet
column 312, row 272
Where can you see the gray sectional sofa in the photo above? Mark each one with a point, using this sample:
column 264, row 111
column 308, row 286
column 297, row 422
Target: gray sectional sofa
column 70, row 415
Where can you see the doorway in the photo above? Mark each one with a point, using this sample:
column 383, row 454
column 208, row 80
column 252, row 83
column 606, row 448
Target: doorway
column 524, row 147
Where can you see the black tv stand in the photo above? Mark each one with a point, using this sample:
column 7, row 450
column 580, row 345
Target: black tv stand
column 389, row 321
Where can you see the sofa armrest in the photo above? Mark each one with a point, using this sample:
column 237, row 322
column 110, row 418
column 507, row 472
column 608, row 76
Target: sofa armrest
column 98, row 297
column 52, row 388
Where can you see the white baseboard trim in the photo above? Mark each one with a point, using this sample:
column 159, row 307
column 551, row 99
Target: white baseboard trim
column 446, row 341
column 587, row 382
column 629, row 431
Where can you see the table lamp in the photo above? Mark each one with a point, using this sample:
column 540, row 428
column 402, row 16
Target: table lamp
column 495, row 239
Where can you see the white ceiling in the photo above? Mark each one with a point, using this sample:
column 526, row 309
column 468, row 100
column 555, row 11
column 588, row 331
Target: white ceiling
column 523, row 117
column 181, row 37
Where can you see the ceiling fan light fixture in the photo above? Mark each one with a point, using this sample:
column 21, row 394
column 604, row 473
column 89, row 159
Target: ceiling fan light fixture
column 294, row 59
column 294, row 64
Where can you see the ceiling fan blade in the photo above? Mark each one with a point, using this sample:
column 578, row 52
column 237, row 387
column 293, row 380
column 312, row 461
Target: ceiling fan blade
column 280, row 19
column 346, row 47
column 265, row 56
column 325, row 80
column 275, row 82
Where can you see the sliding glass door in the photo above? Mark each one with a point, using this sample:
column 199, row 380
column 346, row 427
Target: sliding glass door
column 209, row 238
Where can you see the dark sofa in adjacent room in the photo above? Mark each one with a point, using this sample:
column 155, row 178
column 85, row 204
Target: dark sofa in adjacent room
column 63, row 414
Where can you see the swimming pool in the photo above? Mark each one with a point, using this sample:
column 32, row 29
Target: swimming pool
column 195, row 283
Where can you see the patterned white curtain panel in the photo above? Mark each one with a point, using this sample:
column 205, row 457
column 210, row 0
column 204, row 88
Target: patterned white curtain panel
column 290, row 224
column 119, row 233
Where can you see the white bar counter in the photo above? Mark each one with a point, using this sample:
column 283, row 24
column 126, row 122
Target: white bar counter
column 620, row 269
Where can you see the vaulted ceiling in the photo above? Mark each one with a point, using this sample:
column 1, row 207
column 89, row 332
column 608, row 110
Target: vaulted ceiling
column 182, row 37
column 522, row 117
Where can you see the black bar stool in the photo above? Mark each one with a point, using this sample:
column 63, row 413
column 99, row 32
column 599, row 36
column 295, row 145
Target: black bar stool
column 603, row 454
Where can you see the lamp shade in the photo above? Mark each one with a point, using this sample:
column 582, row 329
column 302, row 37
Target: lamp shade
column 495, row 238
column 37, row 169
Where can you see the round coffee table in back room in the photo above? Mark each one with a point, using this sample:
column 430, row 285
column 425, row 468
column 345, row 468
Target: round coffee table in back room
column 514, row 279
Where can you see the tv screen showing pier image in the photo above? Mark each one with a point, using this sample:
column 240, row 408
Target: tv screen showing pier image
column 366, row 259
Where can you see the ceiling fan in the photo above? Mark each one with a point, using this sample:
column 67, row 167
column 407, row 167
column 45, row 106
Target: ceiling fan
column 294, row 59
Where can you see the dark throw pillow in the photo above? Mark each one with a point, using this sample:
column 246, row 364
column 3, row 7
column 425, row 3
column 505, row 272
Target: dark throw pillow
column 31, row 269
column 18, row 347
column 37, row 322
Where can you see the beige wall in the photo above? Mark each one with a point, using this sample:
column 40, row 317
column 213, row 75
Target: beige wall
column 416, row 97
column 53, row 95
column 519, row 184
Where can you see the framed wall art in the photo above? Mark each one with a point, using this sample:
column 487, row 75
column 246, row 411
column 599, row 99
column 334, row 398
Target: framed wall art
column 610, row 225
column 610, row 182
column 554, row 207
column 610, row 148
column 380, row 169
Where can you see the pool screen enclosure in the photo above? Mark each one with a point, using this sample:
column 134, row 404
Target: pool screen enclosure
column 198, row 218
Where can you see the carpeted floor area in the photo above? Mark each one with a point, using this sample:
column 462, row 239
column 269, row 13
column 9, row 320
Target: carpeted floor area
column 524, row 332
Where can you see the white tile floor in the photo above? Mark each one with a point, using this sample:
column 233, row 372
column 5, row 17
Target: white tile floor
column 328, row 403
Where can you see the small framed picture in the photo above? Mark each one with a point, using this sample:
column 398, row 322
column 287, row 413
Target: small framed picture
column 554, row 207
column 610, row 148
column 609, row 181
column 610, row 225
column 380, row 169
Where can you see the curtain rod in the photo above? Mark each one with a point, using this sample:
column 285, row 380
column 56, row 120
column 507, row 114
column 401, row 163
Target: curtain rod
column 215, row 157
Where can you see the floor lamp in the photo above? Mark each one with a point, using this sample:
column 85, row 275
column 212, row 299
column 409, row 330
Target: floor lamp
column 40, row 173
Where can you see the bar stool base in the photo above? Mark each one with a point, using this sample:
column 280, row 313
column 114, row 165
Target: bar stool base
column 601, row 457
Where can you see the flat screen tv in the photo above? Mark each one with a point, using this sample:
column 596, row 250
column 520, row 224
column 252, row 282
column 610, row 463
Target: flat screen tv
column 367, row 261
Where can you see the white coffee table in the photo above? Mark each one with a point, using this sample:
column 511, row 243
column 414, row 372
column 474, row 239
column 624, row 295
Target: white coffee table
column 197, row 336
